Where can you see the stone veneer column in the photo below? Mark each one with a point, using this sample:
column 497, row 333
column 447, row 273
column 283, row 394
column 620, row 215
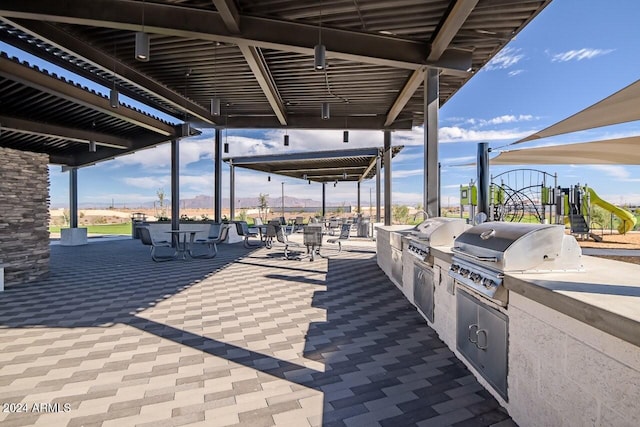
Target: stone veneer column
column 24, row 215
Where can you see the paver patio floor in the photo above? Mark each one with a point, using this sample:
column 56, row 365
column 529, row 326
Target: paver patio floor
column 246, row 338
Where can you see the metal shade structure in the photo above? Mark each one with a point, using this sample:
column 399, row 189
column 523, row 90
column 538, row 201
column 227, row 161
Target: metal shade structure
column 319, row 166
column 621, row 107
column 621, row 151
column 43, row 113
column 259, row 55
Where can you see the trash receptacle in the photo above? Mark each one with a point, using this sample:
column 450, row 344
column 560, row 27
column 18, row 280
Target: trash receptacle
column 363, row 228
column 137, row 219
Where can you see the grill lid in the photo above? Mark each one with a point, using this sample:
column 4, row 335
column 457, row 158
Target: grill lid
column 439, row 231
column 510, row 246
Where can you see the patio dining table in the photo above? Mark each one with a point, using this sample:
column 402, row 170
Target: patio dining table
column 179, row 239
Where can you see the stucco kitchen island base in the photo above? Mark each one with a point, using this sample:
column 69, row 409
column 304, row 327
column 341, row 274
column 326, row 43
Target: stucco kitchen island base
column 573, row 342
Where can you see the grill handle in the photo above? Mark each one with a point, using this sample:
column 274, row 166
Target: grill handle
column 486, row 339
column 471, row 332
column 457, row 250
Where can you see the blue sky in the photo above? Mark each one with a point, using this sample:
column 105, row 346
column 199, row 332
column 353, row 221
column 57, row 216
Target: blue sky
column 575, row 53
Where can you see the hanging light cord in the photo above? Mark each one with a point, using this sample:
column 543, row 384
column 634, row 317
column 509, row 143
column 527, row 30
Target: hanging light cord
column 320, row 25
column 143, row 16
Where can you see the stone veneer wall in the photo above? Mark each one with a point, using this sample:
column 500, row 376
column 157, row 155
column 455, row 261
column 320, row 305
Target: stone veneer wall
column 24, row 215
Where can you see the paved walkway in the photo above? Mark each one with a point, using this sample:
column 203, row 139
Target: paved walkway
column 246, row 338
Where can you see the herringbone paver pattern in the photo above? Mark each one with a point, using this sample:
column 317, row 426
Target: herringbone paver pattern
column 246, row 338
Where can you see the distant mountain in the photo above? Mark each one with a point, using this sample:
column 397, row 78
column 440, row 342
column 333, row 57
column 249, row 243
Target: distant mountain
column 206, row 202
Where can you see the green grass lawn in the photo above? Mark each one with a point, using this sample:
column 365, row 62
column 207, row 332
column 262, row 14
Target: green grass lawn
column 124, row 228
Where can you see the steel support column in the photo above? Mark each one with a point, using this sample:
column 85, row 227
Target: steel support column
column 483, row 178
column 73, row 197
column 217, row 177
column 387, row 177
column 324, row 199
column 431, row 109
column 175, row 185
column 378, row 170
column 358, row 207
column 232, row 190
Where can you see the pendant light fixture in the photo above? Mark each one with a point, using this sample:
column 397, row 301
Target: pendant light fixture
column 269, row 178
column 142, row 42
column 325, row 111
column 215, row 106
column 226, row 134
column 286, row 139
column 344, row 175
column 92, row 144
column 319, row 51
column 215, row 101
column 345, row 134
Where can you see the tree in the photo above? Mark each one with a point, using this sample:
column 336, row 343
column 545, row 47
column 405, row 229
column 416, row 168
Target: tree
column 401, row 214
column 263, row 206
column 160, row 194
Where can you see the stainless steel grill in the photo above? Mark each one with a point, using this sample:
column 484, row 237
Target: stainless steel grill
column 483, row 253
column 433, row 232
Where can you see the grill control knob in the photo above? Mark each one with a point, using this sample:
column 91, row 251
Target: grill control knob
column 488, row 283
column 476, row 277
column 454, row 268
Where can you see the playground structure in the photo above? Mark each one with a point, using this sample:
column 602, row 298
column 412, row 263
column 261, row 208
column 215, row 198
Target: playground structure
column 530, row 195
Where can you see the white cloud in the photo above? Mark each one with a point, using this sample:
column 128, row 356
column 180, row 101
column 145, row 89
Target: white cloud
column 458, row 134
column 614, row 171
column 406, row 173
column 453, row 161
column 508, row 118
column 579, row 55
column 506, row 58
column 514, row 73
column 147, row 182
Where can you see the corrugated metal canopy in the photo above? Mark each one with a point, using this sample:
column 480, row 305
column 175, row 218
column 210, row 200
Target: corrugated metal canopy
column 41, row 112
column 257, row 56
column 320, row 166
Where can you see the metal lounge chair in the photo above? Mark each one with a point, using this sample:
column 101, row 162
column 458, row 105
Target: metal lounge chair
column 345, row 232
column 247, row 232
column 146, row 239
column 275, row 233
column 212, row 244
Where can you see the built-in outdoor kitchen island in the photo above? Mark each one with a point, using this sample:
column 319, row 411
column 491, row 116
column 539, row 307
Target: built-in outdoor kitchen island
column 552, row 334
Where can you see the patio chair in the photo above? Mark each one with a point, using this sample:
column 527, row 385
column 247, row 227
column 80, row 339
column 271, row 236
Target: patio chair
column 275, row 233
column 147, row 240
column 212, row 243
column 345, row 232
column 247, row 232
column 214, row 232
column 298, row 224
column 334, row 224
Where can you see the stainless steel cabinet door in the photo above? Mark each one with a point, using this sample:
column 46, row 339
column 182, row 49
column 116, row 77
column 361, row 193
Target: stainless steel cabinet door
column 492, row 347
column 423, row 291
column 467, row 328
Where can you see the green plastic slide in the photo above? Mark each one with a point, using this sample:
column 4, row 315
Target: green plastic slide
column 627, row 218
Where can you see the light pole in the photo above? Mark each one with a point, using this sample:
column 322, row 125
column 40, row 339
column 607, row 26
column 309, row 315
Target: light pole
column 282, row 199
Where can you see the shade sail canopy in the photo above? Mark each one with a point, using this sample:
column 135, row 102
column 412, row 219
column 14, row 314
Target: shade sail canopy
column 320, row 166
column 622, row 151
column 621, row 107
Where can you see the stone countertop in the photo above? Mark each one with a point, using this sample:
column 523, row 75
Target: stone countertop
column 606, row 295
column 397, row 227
